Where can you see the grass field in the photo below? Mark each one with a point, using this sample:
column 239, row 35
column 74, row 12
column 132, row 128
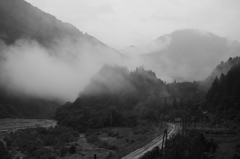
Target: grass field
column 228, row 142
column 122, row 140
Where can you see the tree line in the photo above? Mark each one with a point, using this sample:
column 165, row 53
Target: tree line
column 119, row 97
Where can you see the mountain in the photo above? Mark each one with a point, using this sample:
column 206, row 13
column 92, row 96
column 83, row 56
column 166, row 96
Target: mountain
column 185, row 55
column 152, row 47
column 21, row 20
column 222, row 68
column 223, row 96
column 13, row 105
column 118, row 97
column 115, row 97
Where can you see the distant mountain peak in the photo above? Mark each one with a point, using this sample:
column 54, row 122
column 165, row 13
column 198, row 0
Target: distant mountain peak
column 187, row 54
column 192, row 31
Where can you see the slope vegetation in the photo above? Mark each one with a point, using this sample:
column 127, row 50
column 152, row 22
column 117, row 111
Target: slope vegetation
column 115, row 97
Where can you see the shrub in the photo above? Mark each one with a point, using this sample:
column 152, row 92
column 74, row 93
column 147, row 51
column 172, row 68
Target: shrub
column 63, row 151
column 115, row 135
column 106, row 145
column 110, row 155
column 3, row 152
column 32, row 141
column 238, row 146
column 72, row 149
column 92, row 138
column 110, row 133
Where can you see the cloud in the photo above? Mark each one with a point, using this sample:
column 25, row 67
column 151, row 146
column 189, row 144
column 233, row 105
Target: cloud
column 152, row 47
column 184, row 55
column 104, row 8
column 58, row 73
column 62, row 72
column 113, row 21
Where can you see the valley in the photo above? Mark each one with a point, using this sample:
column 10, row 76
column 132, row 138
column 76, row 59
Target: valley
column 66, row 94
column 104, row 143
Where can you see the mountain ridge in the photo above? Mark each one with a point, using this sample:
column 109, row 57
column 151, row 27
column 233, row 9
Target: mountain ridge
column 28, row 21
column 19, row 20
column 193, row 53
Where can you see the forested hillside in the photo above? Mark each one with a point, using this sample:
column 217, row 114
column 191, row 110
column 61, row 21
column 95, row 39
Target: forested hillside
column 19, row 19
column 222, row 68
column 118, row 97
column 21, row 106
column 224, row 94
column 115, row 97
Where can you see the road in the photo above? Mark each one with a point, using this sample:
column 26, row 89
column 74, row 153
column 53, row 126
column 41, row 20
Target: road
column 172, row 130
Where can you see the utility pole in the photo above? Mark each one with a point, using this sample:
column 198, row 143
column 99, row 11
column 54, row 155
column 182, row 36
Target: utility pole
column 164, row 140
column 162, row 143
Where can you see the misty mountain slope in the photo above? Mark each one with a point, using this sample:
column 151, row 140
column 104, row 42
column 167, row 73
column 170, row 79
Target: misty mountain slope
column 28, row 39
column 114, row 91
column 221, row 68
column 118, row 97
column 14, row 105
column 185, row 55
column 223, row 95
column 19, row 19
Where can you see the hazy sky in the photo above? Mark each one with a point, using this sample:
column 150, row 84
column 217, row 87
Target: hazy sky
column 120, row 23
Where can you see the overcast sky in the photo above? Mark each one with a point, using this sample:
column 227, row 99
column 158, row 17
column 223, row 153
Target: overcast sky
column 120, row 23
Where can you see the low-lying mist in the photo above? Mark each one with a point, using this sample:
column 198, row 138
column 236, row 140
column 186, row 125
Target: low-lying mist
column 63, row 70
column 185, row 55
column 60, row 72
